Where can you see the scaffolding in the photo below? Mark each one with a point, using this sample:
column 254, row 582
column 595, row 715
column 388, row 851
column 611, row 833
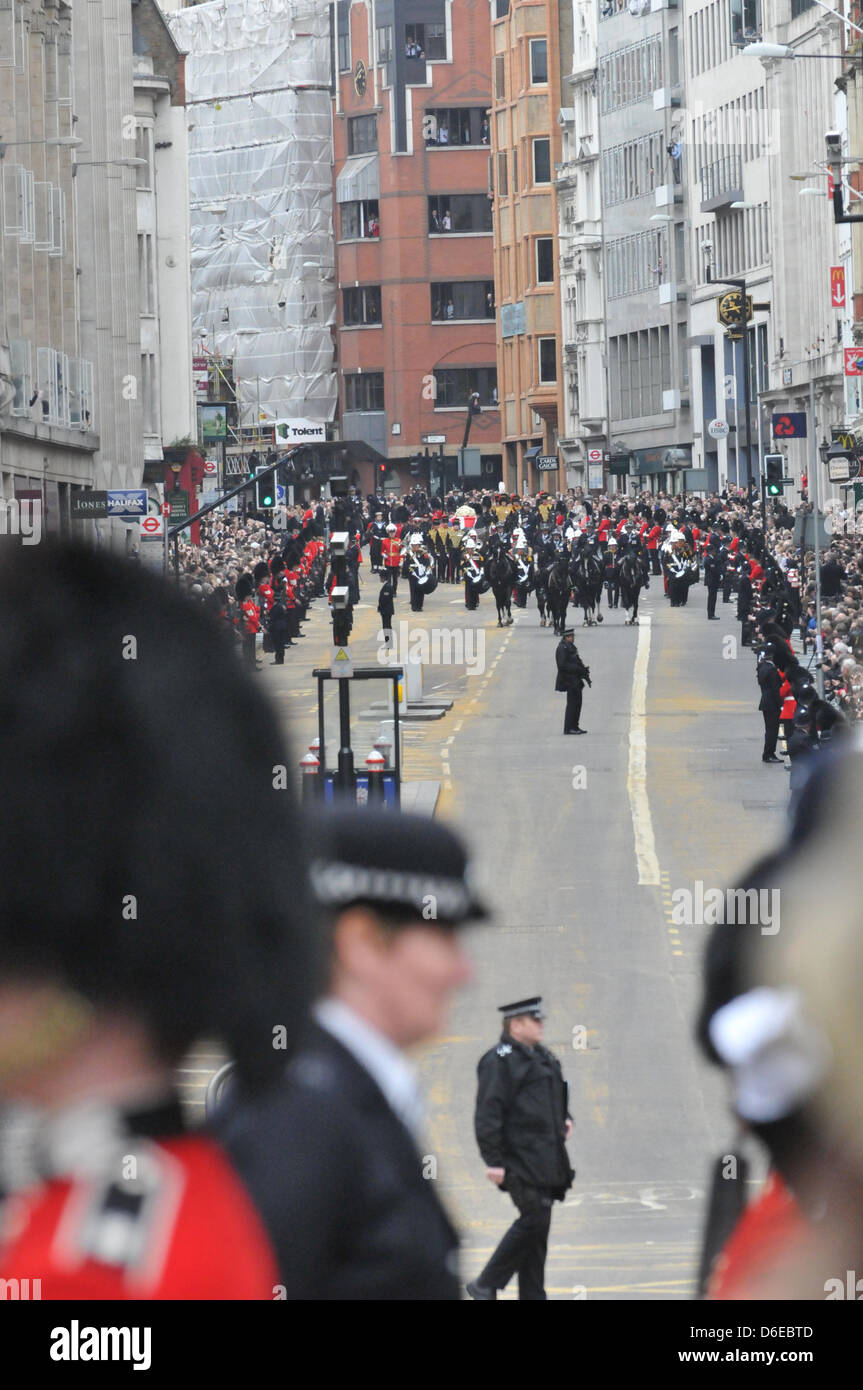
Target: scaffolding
column 259, row 112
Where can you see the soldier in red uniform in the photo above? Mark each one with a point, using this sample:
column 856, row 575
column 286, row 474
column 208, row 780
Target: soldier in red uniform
column 118, row 953
column 391, row 552
column 250, row 622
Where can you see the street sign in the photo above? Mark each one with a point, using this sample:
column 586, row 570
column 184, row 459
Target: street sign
column 837, row 287
column 786, row 376
column 594, row 476
column 546, row 462
column 166, row 509
column 179, row 504
column 433, row 439
column 341, row 663
column 152, row 528
column 210, row 466
column 839, row 470
column 718, row 429
column 127, row 502
column 594, row 456
column 281, row 494
column 853, row 362
column 789, row 425
column 84, row 506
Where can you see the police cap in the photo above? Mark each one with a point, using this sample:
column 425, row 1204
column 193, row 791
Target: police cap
column 394, row 861
column 522, row 1007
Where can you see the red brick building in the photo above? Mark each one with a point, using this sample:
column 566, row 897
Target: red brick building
column 416, row 305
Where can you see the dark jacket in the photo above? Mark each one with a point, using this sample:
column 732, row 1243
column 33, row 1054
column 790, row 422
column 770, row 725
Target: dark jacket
column 386, row 602
column 771, row 684
column 340, row 1185
column 571, row 670
column 521, row 1114
column 279, row 626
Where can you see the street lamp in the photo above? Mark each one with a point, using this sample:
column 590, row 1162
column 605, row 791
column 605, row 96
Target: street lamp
column 93, row 163
column 784, row 50
column 66, row 142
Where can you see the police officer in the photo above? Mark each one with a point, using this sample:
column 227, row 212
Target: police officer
column 522, row 1123
column 712, row 575
column 333, row 1156
column 571, row 677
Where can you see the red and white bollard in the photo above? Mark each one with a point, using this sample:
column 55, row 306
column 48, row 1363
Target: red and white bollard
column 376, row 762
column 310, row 767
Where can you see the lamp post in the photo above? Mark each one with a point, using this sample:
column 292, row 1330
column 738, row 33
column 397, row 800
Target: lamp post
column 740, row 284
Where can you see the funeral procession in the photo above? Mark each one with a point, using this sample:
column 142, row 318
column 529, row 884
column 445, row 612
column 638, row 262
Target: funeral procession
column 389, row 391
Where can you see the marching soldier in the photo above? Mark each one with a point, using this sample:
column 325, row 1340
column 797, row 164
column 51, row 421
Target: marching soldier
column 522, row 1123
column 420, row 572
column 474, row 575
column 391, row 556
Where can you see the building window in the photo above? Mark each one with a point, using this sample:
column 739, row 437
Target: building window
column 502, row 187
column 501, row 9
column 144, row 150
column 514, row 169
column 149, row 394
column 364, row 391
column 548, row 360
column 639, row 372
column 462, row 299
column 145, row 273
column 345, row 64
column 429, row 39
column 545, row 260
column 538, row 62
column 456, row 125
column 746, row 19
column 361, row 304
column 362, row 134
column 460, row 212
column 358, row 220
column 541, row 160
column 631, row 74
column 455, row 386
column 385, row 43
column 499, row 78
column 636, row 263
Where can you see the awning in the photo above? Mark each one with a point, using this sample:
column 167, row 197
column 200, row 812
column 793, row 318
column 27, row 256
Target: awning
column 360, row 180
column 532, row 453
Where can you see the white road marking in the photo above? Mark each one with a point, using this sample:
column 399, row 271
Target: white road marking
column 636, row 780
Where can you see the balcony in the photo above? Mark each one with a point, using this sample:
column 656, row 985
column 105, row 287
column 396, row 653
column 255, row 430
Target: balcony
column 722, row 183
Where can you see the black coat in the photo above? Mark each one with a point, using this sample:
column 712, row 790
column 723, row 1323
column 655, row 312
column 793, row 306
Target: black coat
column 771, row 684
column 521, row 1114
column 339, row 1184
column 386, row 602
column 571, row 670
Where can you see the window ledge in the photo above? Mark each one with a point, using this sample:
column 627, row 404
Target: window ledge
column 357, row 240
column 448, row 409
column 457, row 146
column 447, row 236
column 353, row 327
column 437, row 323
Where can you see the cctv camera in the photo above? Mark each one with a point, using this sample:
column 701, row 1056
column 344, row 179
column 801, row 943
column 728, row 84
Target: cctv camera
column 833, row 140
column 707, row 245
column 281, row 303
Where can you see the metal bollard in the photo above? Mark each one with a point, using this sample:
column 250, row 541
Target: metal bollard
column 376, row 763
column 384, row 746
column 310, row 767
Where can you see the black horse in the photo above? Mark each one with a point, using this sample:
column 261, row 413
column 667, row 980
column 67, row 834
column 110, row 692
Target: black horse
column 587, row 581
column 559, row 588
column 500, row 573
column 631, row 579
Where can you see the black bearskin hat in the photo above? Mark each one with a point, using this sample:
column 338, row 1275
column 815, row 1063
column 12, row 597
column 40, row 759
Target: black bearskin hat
column 244, row 588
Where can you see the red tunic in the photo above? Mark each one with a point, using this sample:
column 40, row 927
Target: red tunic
column 195, row 1234
column 253, row 617
column 771, row 1233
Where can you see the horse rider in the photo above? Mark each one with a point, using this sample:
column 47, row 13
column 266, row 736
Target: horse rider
column 474, row 575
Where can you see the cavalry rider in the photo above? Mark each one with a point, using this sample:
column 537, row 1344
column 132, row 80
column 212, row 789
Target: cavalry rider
column 474, row 576
column 610, row 572
column 523, row 573
column 391, row 555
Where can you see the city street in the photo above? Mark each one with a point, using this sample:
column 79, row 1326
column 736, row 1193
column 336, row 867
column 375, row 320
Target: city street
column 552, row 826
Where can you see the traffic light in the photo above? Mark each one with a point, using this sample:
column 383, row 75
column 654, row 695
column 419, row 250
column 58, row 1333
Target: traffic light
column 265, row 492
column 774, row 473
column 415, row 465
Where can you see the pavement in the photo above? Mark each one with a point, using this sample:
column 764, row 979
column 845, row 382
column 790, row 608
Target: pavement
column 581, row 847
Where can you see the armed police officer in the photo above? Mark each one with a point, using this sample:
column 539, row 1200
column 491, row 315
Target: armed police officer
column 571, row 677
column 522, row 1123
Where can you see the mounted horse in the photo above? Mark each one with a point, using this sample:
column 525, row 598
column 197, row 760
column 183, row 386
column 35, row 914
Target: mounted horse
column 630, row 575
column 587, row 581
column 500, row 572
column 559, row 587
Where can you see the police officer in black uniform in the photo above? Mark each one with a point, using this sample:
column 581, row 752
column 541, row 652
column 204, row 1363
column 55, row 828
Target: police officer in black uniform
column 571, row 676
column 522, row 1123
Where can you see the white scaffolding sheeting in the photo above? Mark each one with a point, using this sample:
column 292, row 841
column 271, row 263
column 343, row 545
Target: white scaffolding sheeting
column 260, row 176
